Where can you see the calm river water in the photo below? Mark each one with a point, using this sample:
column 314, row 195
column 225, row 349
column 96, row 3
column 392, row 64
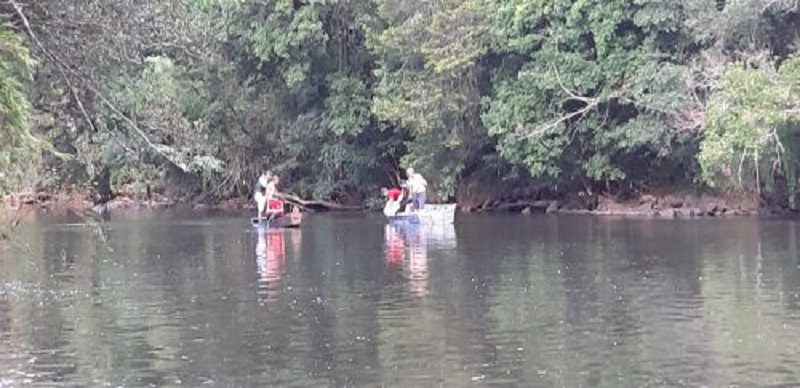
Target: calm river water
column 346, row 300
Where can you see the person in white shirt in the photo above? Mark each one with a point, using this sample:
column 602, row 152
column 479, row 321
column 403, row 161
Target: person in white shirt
column 265, row 178
column 265, row 190
column 417, row 187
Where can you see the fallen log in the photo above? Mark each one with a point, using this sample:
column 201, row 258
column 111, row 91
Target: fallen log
column 519, row 206
column 319, row 206
column 515, row 207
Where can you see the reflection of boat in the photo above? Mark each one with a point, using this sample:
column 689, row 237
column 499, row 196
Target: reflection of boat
column 284, row 220
column 274, row 249
column 437, row 235
column 430, row 214
column 270, row 257
column 407, row 248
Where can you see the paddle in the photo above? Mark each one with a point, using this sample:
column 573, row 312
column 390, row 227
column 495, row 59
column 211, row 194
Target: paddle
column 271, row 217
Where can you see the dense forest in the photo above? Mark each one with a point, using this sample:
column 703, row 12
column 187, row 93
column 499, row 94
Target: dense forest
column 192, row 99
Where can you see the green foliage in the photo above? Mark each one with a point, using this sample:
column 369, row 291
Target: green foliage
column 288, row 37
column 339, row 96
column 750, row 118
column 428, row 75
column 18, row 146
column 172, row 119
column 590, row 86
column 348, row 105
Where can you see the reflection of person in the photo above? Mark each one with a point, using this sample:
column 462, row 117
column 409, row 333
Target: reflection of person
column 418, row 263
column 417, row 186
column 407, row 247
column 395, row 247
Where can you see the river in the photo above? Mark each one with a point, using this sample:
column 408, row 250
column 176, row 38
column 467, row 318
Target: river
column 169, row 300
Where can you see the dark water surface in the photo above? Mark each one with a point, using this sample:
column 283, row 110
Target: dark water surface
column 348, row 301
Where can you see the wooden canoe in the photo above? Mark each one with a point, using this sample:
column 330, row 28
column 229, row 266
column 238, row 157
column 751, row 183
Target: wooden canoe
column 287, row 220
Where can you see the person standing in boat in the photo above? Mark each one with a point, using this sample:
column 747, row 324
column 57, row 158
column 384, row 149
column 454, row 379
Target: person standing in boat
column 265, row 178
column 267, row 205
column 261, row 193
column 417, row 187
column 274, row 205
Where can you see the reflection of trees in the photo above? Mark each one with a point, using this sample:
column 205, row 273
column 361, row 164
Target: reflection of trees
column 111, row 317
column 415, row 347
column 555, row 301
column 633, row 302
column 584, row 302
column 751, row 292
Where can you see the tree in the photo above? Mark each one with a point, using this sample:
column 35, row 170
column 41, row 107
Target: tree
column 751, row 129
column 18, row 146
column 429, row 83
column 313, row 56
column 590, row 90
column 194, row 98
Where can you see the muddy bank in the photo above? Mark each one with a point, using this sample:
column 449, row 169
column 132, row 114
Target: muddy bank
column 66, row 203
column 42, row 201
column 81, row 204
column 649, row 206
column 655, row 206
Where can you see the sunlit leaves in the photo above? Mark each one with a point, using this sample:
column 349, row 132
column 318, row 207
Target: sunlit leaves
column 747, row 121
column 158, row 101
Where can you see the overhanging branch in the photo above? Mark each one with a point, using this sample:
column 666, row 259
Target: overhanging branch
column 29, row 30
column 63, row 69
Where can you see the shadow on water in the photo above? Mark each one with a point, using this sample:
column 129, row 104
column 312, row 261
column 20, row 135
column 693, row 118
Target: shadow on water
column 351, row 301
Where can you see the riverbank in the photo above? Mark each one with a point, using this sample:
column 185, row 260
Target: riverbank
column 65, row 203
column 649, row 205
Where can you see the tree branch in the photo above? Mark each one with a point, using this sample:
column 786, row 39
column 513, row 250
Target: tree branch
column 573, row 96
column 590, row 104
column 61, row 66
column 29, row 30
column 555, row 123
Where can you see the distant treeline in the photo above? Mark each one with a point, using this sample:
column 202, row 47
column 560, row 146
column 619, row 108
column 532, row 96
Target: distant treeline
column 486, row 98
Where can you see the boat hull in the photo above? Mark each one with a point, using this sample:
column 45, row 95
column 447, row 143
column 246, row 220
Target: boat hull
column 430, row 214
column 291, row 220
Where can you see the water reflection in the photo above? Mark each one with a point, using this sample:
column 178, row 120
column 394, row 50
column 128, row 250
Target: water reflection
column 271, row 259
column 407, row 248
column 509, row 301
column 395, row 247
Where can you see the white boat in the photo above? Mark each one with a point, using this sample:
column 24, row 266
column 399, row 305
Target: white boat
column 430, row 214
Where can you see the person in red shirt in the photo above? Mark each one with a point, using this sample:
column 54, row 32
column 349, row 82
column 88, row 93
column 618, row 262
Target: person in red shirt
column 272, row 207
column 394, row 196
